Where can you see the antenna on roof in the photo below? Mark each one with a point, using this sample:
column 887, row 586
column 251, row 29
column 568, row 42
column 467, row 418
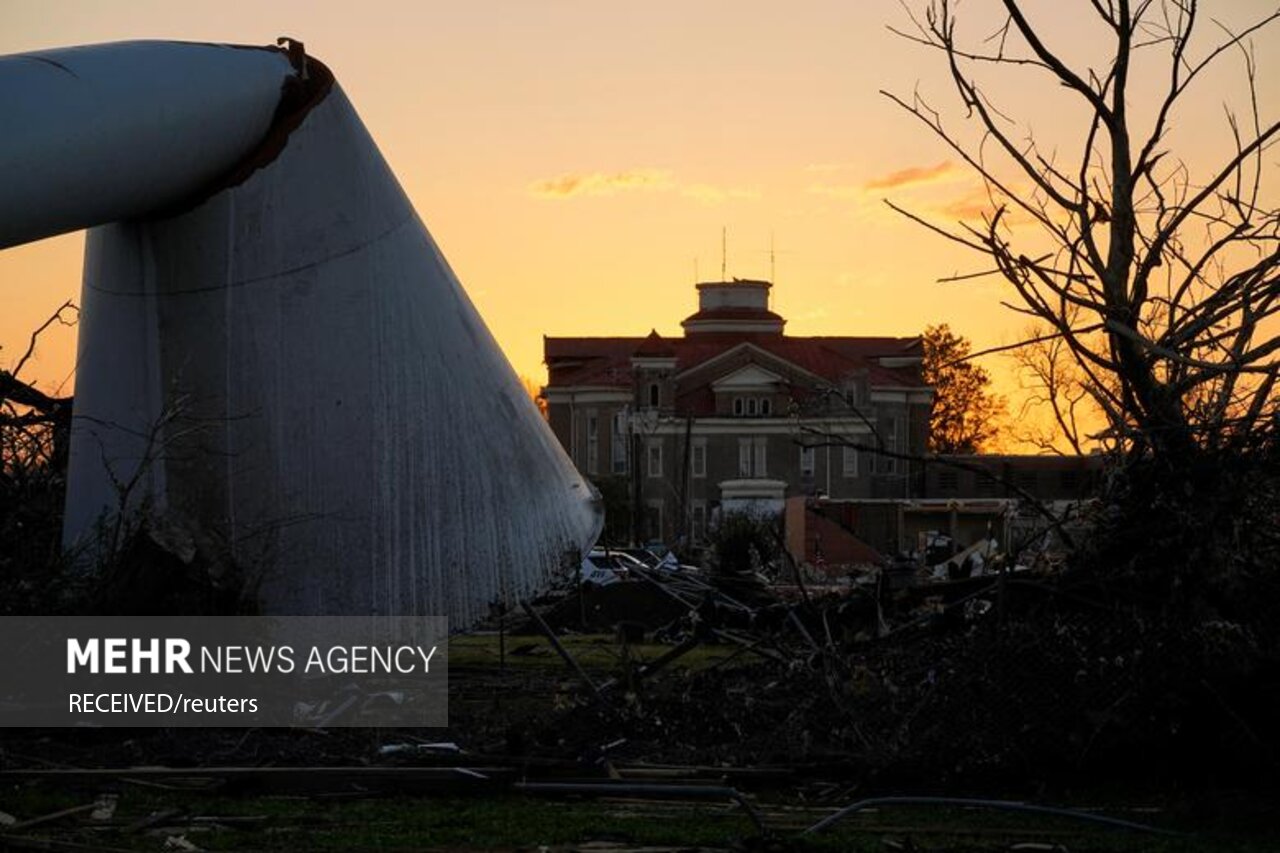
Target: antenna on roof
column 772, row 266
column 724, row 252
column 774, row 251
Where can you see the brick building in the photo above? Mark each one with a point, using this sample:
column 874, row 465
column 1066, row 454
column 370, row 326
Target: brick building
column 725, row 415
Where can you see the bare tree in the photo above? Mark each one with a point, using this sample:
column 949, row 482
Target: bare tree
column 35, row 430
column 1056, row 390
column 34, row 426
column 26, row 413
column 1159, row 278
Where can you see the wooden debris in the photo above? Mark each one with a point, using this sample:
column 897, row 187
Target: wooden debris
column 153, row 819
column 50, row 818
column 560, row 649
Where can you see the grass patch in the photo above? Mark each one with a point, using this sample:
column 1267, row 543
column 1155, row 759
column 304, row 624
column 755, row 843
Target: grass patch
column 520, row 822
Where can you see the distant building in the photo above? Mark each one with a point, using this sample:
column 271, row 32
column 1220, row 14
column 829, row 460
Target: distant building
column 966, row 498
column 732, row 414
column 1014, row 476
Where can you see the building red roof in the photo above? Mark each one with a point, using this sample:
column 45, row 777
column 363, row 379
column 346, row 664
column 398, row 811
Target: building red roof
column 654, row 346
column 607, row 361
column 728, row 313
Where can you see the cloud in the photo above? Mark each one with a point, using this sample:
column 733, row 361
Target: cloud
column 912, row 175
column 978, row 202
column 600, row 183
column 632, row 180
column 944, row 192
column 969, row 206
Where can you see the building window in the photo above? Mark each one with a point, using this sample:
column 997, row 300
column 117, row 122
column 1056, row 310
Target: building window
column 654, row 451
column 889, row 435
column 618, row 443
column 698, row 458
column 593, row 442
column 948, row 481
column 849, row 462
column 806, row 462
column 698, row 522
column 752, row 407
column 753, row 456
column 653, row 395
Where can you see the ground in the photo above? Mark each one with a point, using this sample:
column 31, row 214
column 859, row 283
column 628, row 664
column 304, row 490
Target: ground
column 504, row 716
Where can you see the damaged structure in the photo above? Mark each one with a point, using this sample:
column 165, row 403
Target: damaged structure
column 965, row 500
column 272, row 349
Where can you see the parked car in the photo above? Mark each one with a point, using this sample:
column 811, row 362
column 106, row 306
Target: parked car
column 599, row 574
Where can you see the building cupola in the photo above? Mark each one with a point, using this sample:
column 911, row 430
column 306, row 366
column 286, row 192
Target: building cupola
column 741, row 305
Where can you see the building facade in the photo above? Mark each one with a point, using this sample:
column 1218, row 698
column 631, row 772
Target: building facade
column 735, row 414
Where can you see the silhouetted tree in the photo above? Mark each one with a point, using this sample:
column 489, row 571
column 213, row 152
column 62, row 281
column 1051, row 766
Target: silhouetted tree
column 1168, row 269
column 1161, row 278
column 535, row 393
column 35, row 430
column 965, row 416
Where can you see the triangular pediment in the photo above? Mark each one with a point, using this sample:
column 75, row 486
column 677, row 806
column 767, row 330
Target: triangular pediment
column 748, row 376
column 745, row 356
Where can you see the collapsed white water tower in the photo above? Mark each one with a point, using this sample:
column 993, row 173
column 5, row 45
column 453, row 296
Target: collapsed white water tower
column 271, row 346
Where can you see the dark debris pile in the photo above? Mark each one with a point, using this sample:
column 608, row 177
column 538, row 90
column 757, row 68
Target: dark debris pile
column 1011, row 684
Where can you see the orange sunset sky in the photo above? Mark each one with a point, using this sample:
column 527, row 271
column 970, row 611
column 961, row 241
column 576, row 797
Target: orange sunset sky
column 576, row 161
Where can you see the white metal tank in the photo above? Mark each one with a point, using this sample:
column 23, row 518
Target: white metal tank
column 272, row 347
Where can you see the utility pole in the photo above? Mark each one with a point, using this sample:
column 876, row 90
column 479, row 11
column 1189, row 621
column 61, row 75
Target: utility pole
column 634, row 426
